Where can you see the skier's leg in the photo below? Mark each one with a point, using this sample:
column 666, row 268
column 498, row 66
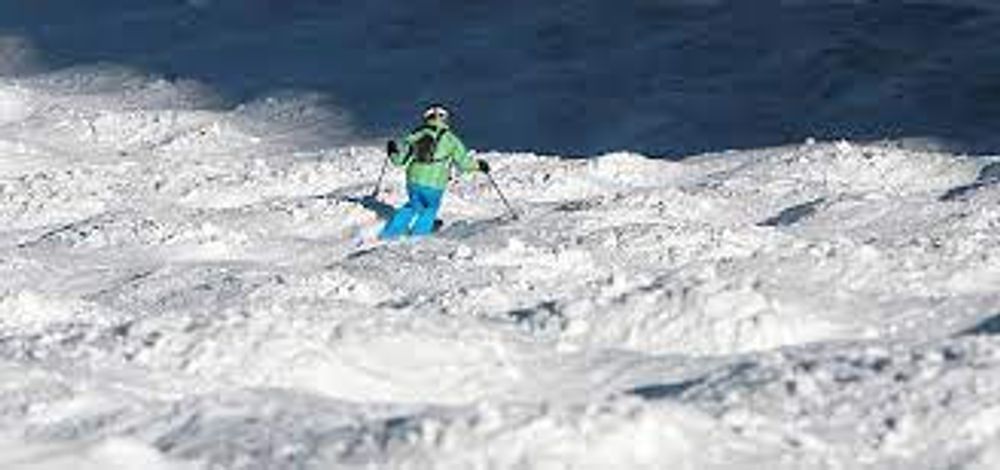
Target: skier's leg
column 399, row 223
column 401, row 220
column 431, row 202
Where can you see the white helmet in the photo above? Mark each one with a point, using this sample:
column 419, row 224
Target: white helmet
column 436, row 111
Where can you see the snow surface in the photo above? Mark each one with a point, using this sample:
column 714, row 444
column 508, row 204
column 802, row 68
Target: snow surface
column 185, row 288
column 188, row 278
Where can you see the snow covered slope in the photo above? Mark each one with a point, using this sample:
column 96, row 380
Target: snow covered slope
column 183, row 287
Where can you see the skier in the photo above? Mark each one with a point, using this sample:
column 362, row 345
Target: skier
column 428, row 154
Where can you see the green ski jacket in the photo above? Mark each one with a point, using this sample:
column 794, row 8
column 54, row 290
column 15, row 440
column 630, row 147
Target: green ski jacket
column 450, row 150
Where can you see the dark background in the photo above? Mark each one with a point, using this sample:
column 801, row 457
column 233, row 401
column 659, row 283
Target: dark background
column 665, row 78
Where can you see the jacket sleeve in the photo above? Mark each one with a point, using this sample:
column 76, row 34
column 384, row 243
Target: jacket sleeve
column 461, row 156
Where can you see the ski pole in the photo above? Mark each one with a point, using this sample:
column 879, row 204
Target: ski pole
column 381, row 174
column 496, row 187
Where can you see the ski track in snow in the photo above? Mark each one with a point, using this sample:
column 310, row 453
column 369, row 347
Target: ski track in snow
column 183, row 288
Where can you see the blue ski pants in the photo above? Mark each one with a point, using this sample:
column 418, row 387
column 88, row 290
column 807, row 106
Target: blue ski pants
column 417, row 216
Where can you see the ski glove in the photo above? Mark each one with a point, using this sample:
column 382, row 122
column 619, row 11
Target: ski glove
column 391, row 148
column 483, row 166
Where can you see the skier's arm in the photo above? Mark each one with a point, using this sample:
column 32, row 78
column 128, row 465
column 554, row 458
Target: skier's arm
column 462, row 158
column 402, row 156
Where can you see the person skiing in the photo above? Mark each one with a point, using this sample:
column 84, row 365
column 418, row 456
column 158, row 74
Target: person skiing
column 428, row 154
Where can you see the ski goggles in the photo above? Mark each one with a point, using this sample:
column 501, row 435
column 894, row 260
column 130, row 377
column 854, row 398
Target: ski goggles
column 436, row 112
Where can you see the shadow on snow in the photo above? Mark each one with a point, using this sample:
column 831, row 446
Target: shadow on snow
column 570, row 78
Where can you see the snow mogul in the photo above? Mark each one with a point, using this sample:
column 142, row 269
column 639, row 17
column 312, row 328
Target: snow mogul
column 428, row 154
